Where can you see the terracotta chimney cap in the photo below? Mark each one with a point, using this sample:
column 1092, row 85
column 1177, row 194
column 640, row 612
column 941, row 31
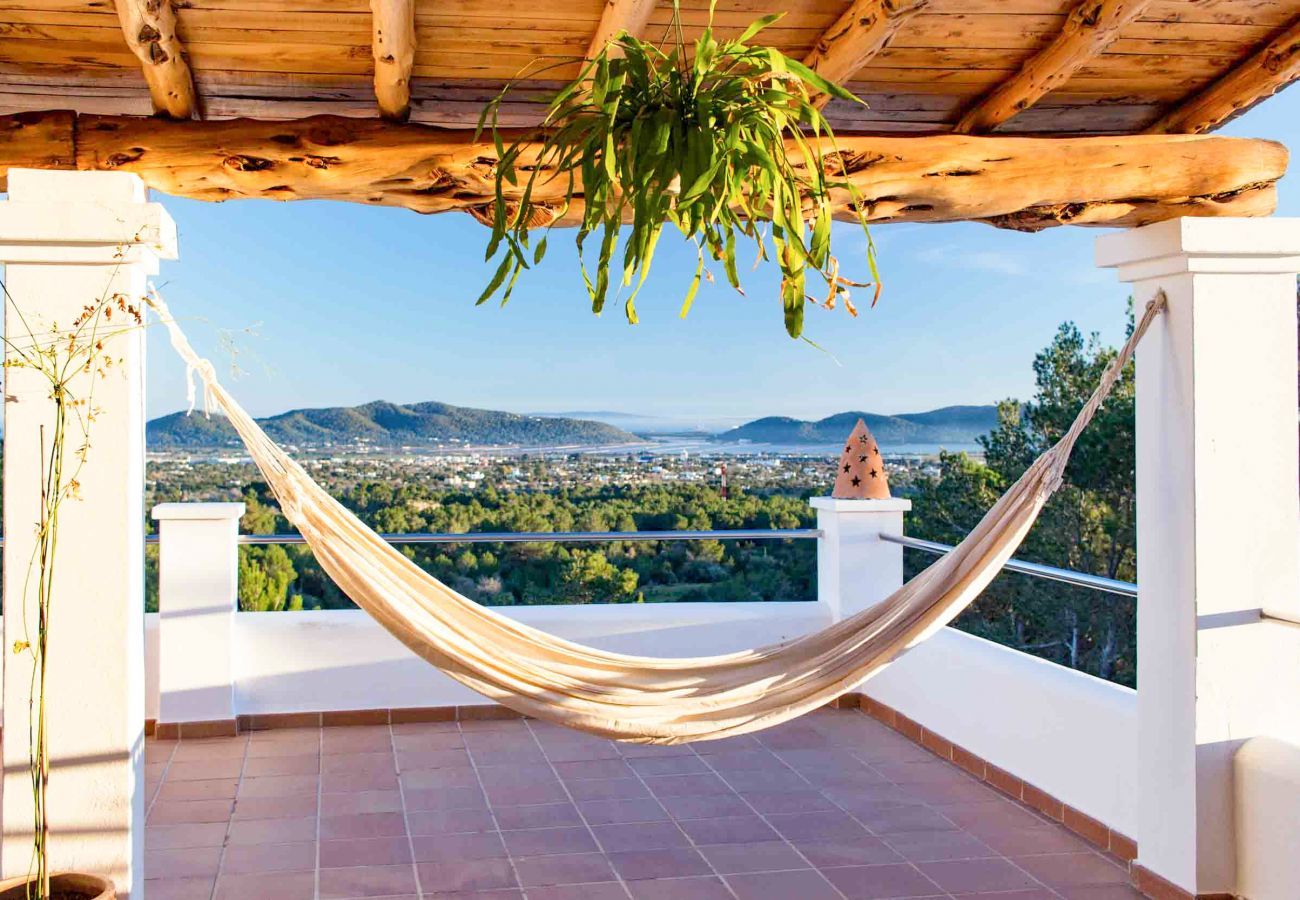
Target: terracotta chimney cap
column 861, row 473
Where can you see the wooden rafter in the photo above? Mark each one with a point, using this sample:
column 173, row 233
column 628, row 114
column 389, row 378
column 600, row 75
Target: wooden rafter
column 1010, row 182
column 150, row 30
column 861, row 31
column 1269, row 69
column 392, row 44
column 631, row 16
column 1088, row 31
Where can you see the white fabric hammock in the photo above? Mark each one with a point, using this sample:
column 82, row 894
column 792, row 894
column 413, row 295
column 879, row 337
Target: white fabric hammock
column 636, row 698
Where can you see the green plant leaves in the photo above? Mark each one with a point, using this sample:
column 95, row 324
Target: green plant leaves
column 711, row 139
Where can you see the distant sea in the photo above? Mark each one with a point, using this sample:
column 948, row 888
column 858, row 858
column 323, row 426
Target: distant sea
column 672, row 445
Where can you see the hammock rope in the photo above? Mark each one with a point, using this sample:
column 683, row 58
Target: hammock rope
column 637, row 698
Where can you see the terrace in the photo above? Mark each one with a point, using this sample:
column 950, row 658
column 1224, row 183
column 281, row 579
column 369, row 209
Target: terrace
column 314, row 755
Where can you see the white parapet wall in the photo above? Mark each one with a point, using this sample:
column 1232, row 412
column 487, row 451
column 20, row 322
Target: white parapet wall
column 1066, row 733
column 1267, row 775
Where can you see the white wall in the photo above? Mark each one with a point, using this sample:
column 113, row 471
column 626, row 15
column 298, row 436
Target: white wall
column 1067, row 733
column 1267, row 776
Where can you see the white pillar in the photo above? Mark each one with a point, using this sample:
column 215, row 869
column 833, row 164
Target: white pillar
column 855, row 568
column 198, row 594
column 1217, row 521
column 67, row 239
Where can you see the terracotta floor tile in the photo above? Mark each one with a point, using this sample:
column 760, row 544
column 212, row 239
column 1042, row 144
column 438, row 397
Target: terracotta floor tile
column 266, row 886
column 1027, row 894
column 605, row 890
column 588, row 769
column 272, row 831
column 359, row 763
column 278, row 786
column 447, row 847
column 179, row 888
column 349, row 782
column 356, row 739
column 771, row 781
column 687, row 786
column 447, row 798
column 705, row 888
column 465, row 875
column 713, row 807
column 897, row 819
column 204, row 770
column 758, row 760
column 526, row 795
column 367, row 881
column 182, row 863
column 360, row 802
column 548, row 841
column 864, row 851
column 880, row 882
column 974, row 875
column 281, row 765
column 515, row 756
column 728, row 859
column 451, row 821
column 577, row 868
column 577, row 752
column 1030, row 841
column 273, row 749
column 174, row 812
column 1059, row 870
column 787, row 801
column 729, row 830
column 1101, row 892
column 640, row 836
column 542, row 815
column 932, row 846
column 614, row 812
column 672, row 862
column 300, row 807
column 434, row 779
column 377, row 851
column 411, row 760
column 171, row 837
column 608, row 789
column 216, row 748
column 833, row 825
column 669, row 765
column 259, row 858
column 640, row 751
column 207, row 789
column 806, row 884
column 362, row 825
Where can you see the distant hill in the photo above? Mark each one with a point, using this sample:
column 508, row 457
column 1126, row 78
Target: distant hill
column 387, row 424
column 951, row 424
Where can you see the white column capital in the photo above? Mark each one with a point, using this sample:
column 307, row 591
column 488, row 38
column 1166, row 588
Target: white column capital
column 1195, row 246
column 88, row 218
column 855, row 567
column 189, row 512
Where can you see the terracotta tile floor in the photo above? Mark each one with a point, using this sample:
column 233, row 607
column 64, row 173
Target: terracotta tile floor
column 832, row 806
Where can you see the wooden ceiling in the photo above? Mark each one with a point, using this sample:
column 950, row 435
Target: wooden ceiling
column 923, row 66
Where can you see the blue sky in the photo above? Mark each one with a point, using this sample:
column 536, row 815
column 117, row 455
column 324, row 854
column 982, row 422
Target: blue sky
column 336, row 304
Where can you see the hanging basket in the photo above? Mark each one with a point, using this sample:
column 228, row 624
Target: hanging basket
column 63, row 886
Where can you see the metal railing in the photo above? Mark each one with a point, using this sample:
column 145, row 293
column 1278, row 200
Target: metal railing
column 546, row 537
column 1035, row 570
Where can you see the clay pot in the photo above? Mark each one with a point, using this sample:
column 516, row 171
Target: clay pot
column 64, row 886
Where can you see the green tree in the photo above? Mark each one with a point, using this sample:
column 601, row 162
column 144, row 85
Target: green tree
column 265, row 574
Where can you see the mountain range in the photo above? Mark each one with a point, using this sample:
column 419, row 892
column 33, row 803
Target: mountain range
column 951, row 424
column 388, row 424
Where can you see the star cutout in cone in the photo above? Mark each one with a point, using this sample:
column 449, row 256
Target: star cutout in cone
column 862, row 471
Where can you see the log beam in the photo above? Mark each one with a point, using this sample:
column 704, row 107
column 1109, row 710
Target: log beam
column 861, row 31
column 1269, row 69
column 149, row 27
column 631, row 16
column 1011, row 182
column 392, row 44
column 1088, row 31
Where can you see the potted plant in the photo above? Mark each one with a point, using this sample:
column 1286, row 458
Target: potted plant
column 723, row 139
column 72, row 360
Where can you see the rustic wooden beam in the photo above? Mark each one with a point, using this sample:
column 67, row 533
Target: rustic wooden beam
column 631, row 16
column 150, row 30
column 393, row 45
column 37, row 140
column 1269, row 69
column 1088, row 31
column 1011, row 182
column 861, row 31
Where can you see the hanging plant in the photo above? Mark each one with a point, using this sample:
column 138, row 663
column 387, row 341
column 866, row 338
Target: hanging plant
column 722, row 142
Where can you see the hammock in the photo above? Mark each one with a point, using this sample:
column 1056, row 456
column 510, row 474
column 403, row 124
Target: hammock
column 636, row 698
